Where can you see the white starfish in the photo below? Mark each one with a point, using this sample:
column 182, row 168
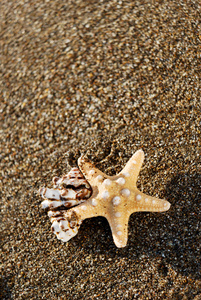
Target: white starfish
column 113, row 197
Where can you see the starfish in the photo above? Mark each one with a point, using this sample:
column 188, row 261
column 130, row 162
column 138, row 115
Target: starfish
column 113, row 197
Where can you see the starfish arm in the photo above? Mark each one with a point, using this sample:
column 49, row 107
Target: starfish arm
column 91, row 173
column 119, row 228
column 85, row 210
column 144, row 202
column 133, row 166
column 95, row 206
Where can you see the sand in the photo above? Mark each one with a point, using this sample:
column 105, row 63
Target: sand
column 104, row 78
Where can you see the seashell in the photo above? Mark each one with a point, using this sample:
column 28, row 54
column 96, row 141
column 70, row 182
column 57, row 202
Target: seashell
column 65, row 227
column 69, row 190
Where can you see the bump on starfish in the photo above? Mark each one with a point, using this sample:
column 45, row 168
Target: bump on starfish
column 113, row 197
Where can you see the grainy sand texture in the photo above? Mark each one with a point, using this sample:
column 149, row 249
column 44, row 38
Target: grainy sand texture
column 104, row 78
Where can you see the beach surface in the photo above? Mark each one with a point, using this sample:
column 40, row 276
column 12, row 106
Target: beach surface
column 102, row 78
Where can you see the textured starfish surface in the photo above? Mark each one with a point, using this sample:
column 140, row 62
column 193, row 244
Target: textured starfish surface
column 113, row 197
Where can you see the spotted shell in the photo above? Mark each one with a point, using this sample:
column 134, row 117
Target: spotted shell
column 68, row 191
